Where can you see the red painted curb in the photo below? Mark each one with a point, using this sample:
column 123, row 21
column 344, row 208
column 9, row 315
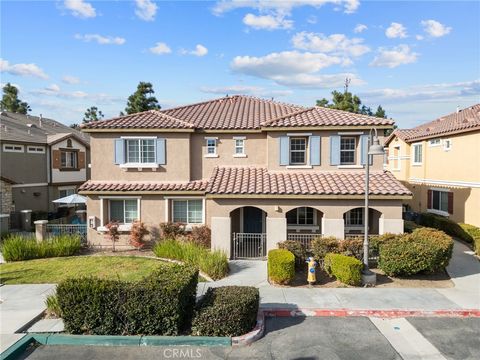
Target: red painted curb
column 253, row 335
column 390, row 313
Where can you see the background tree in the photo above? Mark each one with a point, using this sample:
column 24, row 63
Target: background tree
column 92, row 114
column 380, row 112
column 11, row 102
column 142, row 99
column 75, row 126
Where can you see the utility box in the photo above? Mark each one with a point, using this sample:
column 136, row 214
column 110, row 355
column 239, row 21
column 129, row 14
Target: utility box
column 26, row 216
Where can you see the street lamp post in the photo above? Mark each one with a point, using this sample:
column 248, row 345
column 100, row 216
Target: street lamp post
column 374, row 148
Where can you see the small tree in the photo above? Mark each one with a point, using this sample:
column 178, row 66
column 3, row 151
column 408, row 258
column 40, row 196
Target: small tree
column 92, row 114
column 137, row 234
column 142, row 99
column 113, row 234
column 11, row 102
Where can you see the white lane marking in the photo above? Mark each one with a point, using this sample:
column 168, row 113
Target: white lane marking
column 406, row 340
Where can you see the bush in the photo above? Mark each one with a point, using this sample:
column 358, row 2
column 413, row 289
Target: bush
column 53, row 308
column 352, row 247
column 323, row 245
column 281, row 266
column 346, row 269
column 424, row 250
column 18, row 248
column 201, row 235
column 212, row 263
column 474, row 233
column 160, row 304
column 170, row 230
column 376, row 241
column 226, row 311
column 448, row 226
column 409, row 226
column 137, row 234
column 297, row 249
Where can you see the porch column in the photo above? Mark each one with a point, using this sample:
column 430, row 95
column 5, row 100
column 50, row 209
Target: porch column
column 41, row 230
column 276, row 231
column 392, row 226
column 333, row 227
column 221, row 234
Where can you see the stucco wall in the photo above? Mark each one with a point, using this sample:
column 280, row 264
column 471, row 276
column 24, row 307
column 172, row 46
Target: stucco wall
column 78, row 176
column 401, row 169
column 31, row 198
column 23, row 168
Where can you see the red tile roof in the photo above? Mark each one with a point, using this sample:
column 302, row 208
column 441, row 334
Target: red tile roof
column 321, row 116
column 91, row 185
column 260, row 181
column 455, row 123
column 152, row 119
column 233, row 112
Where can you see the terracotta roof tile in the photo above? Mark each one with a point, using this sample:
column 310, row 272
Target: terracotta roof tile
column 255, row 180
column 90, row 185
column 152, row 119
column 321, row 116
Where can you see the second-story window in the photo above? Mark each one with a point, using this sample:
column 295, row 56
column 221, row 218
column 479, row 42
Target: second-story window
column 298, row 151
column 417, row 154
column 141, row 151
column 347, row 150
column 69, row 159
column 211, row 146
column 239, row 146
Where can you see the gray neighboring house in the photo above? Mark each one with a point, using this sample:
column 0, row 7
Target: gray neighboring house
column 41, row 160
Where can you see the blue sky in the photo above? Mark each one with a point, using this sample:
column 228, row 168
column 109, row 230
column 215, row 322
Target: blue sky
column 419, row 60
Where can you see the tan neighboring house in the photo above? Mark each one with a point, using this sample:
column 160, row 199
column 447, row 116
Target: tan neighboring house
column 440, row 163
column 256, row 171
column 41, row 160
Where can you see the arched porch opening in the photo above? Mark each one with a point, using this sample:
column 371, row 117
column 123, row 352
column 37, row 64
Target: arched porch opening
column 354, row 222
column 304, row 224
column 248, row 227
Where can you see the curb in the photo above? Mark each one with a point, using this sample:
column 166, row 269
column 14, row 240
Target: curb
column 390, row 313
column 253, row 335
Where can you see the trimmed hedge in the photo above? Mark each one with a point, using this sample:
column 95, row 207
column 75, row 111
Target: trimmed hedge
column 474, row 233
column 448, row 226
column 226, row 311
column 346, row 269
column 324, row 245
column 281, row 266
column 424, row 250
column 18, row 248
column 297, row 249
column 160, row 304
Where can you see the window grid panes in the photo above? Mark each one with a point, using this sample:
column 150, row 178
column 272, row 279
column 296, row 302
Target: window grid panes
column 141, row 151
column 417, row 154
column 68, row 159
column 347, row 150
column 188, row 211
column 440, row 200
column 211, row 146
column 298, row 151
column 239, row 146
column 124, row 211
column 66, row 192
column 354, row 217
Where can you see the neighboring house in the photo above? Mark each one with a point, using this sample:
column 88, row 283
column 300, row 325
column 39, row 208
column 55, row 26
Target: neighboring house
column 440, row 163
column 42, row 160
column 255, row 168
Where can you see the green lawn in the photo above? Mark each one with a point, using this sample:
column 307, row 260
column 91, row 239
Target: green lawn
column 53, row 270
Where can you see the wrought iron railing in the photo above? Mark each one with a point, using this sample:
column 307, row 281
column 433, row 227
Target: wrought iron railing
column 304, row 238
column 249, row 245
column 69, row 229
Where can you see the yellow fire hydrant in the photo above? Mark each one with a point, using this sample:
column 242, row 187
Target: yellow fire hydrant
column 312, row 264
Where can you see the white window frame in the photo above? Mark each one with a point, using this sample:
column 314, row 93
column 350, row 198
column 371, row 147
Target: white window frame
column 306, row 157
column 188, row 223
column 36, row 149
column 123, row 199
column 414, row 147
column 14, row 148
column 297, row 222
column 141, row 151
column 354, row 150
column 71, row 189
column 104, row 202
column 449, row 143
column 348, row 218
column 434, row 142
column 442, row 192
column 236, row 147
column 213, row 146
column 74, row 164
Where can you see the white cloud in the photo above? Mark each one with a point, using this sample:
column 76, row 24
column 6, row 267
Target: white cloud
column 337, row 44
column 419, row 37
column 312, row 19
column 360, row 28
column 146, row 9
column 53, row 88
column 435, row 29
column 393, row 57
column 396, row 30
column 267, row 22
column 22, row 69
column 68, row 79
column 80, row 8
column 100, row 39
column 245, row 90
column 160, row 48
column 200, row 50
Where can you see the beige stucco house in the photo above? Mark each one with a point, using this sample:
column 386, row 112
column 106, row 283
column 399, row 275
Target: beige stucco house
column 256, row 171
column 440, row 163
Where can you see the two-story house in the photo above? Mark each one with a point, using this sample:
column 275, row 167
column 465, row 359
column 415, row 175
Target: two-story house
column 41, row 160
column 248, row 168
column 440, row 163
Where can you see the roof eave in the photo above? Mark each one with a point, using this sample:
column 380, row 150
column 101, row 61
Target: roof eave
column 129, row 130
column 306, row 196
column 327, row 127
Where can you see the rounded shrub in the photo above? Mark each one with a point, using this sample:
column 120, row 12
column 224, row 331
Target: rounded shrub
column 445, row 224
column 297, row 249
column 324, row 245
column 424, row 250
column 346, row 269
column 281, row 266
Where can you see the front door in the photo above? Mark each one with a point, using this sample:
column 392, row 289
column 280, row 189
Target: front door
column 252, row 220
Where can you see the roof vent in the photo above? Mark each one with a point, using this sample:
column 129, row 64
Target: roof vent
column 31, row 125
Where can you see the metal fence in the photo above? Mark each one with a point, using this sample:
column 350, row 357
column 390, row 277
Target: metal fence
column 69, row 229
column 304, row 238
column 249, row 245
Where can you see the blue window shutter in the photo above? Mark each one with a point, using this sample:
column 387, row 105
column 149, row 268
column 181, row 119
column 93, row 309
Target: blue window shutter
column 364, row 149
column 284, row 145
column 119, row 151
column 161, row 158
column 314, row 150
column 335, row 150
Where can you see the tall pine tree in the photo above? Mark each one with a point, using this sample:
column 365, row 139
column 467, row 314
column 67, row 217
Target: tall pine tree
column 92, row 114
column 142, row 99
column 11, row 102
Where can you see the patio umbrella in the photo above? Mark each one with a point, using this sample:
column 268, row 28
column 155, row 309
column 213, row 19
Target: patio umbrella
column 71, row 199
